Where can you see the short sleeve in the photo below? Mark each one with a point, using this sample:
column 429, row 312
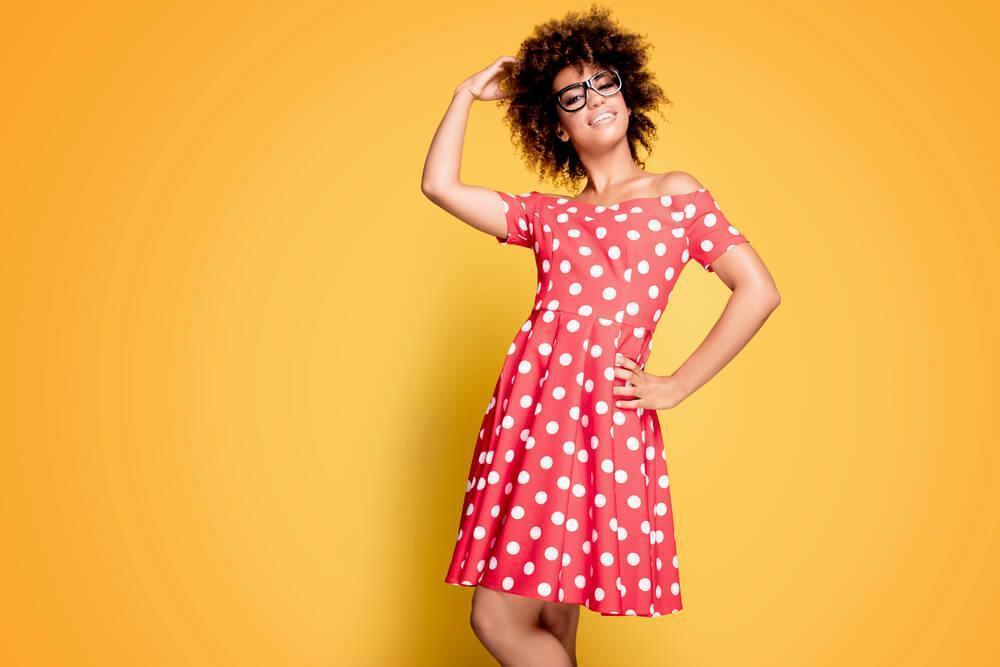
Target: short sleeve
column 520, row 211
column 708, row 230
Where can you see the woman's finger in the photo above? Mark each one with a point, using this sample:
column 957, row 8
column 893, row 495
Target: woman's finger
column 638, row 403
column 500, row 62
column 626, row 374
column 627, row 390
column 622, row 360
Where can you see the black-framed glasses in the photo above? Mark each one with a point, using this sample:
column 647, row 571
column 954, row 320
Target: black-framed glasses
column 574, row 96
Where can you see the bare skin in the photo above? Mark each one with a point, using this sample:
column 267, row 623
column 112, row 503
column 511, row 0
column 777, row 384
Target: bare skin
column 521, row 631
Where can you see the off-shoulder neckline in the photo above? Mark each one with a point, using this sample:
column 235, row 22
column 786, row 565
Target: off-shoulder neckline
column 619, row 204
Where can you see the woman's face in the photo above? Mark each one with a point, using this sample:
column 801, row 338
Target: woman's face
column 579, row 126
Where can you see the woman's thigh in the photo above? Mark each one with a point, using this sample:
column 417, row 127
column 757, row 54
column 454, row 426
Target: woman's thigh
column 496, row 610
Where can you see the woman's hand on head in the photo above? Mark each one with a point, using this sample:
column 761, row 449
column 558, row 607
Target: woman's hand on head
column 645, row 390
column 485, row 85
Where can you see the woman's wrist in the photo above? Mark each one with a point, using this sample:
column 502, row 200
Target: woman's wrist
column 463, row 91
column 681, row 387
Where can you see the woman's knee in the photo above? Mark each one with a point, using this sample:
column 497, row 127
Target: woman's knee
column 488, row 619
column 500, row 615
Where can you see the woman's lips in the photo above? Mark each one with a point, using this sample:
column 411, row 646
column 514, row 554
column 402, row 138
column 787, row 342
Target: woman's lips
column 608, row 117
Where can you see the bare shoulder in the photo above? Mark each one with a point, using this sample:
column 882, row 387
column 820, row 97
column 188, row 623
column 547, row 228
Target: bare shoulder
column 678, row 183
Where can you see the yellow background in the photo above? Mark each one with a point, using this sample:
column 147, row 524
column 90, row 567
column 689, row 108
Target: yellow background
column 245, row 360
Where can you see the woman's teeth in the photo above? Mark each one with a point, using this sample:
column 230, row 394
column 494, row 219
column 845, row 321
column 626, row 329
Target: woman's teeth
column 603, row 118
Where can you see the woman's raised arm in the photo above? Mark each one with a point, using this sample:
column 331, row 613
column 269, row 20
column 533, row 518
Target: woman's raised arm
column 480, row 207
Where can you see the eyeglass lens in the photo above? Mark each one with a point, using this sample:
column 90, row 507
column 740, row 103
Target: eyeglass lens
column 606, row 83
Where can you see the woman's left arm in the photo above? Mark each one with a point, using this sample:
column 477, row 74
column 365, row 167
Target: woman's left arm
column 754, row 297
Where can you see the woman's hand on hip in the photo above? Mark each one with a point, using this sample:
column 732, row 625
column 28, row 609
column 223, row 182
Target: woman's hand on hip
column 658, row 392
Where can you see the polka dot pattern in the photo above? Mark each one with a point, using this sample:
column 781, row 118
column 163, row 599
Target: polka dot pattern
column 568, row 498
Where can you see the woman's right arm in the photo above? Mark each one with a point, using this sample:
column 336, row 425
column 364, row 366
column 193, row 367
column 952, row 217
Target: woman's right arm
column 480, row 207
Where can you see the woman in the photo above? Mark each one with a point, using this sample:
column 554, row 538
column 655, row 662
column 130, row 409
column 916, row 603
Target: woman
column 567, row 499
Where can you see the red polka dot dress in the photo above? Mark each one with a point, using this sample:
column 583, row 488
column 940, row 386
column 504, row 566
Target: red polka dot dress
column 567, row 498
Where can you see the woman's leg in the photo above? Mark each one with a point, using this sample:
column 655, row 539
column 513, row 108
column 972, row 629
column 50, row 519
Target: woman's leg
column 509, row 626
column 562, row 620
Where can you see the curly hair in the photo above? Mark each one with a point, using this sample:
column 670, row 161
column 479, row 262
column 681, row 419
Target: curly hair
column 580, row 37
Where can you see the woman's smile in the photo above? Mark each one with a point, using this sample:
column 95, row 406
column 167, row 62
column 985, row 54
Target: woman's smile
column 604, row 118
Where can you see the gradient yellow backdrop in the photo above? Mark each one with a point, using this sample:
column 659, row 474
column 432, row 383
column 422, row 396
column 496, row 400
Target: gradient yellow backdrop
column 245, row 360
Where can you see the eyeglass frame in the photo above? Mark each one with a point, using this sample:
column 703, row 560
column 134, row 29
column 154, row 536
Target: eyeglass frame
column 585, row 85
